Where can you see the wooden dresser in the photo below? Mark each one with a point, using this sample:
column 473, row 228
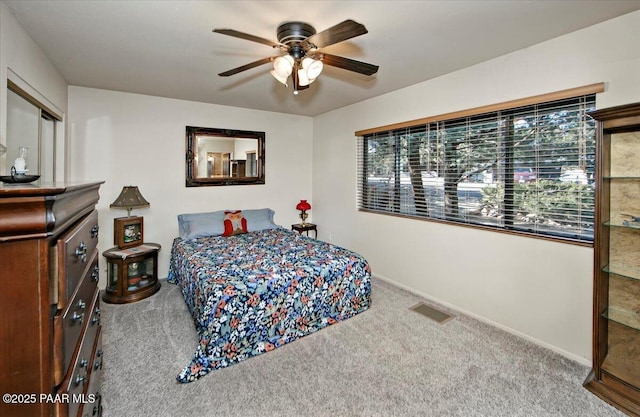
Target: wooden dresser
column 50, row 333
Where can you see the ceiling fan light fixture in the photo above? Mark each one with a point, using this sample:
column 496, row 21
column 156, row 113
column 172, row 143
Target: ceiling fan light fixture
column 301, row 45
column 279, row 77
column 313, row 67
column 303, row 79
column 283, row 65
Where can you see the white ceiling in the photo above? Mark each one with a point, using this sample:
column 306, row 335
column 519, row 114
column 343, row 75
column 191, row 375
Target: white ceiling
column 167, row 48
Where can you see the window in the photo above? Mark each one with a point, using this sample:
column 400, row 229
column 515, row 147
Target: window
column 528, row 169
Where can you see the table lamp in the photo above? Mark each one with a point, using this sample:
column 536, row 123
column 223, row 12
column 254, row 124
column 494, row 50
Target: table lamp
column 303, row 206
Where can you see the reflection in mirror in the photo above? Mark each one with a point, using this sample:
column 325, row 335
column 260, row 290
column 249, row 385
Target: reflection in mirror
column 29, row 127
column 224, row 157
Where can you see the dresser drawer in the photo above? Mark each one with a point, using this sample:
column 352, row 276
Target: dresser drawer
column 73, row 254
column 93, row 399
column 77, row 379
column 81, row 317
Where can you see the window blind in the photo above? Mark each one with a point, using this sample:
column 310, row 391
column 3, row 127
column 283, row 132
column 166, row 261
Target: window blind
column 528, row 169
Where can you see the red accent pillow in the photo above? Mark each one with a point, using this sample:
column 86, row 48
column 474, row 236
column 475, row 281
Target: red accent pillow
column 234, row 223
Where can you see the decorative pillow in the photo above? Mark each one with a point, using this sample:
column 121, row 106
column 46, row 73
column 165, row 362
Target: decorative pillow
column 234, row 223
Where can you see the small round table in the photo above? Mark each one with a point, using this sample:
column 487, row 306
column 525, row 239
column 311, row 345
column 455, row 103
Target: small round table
column 132, row 273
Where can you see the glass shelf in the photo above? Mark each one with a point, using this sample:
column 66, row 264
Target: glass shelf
column 139, row 274
column 629, row 224
column 621, row 177
column 627, row 318
column 626, row 271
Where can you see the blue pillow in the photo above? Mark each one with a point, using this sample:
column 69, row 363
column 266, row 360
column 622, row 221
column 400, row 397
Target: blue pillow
column 191, row 226
column 194, row 225
column 259, row 219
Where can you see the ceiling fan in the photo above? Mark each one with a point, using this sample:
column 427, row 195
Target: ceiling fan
column 303, row 59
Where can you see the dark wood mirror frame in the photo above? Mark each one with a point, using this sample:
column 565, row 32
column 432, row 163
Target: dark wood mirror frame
column 230, row 170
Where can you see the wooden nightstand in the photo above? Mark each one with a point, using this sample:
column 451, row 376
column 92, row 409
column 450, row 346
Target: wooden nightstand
column 305, row 228
column 132, row 273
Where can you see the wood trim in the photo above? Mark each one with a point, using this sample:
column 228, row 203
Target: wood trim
column 626, row 116
column 542, row 98
column 25, row 95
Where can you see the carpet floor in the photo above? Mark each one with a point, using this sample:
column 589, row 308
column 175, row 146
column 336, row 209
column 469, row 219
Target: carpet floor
column 386, row 361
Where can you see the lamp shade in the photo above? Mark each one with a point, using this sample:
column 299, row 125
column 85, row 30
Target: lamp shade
column 312, row 67
column 303, row 205
column 283, row 65
column 280, row 78
column 302, row 78
column 129, row 199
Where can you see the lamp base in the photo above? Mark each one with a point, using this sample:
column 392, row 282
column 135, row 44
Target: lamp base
column 303, row 217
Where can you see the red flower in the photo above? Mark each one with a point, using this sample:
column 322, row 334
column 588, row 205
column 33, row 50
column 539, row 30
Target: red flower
column 253, row 300
column 301, row 322
column 221, row 306
column 231, row 349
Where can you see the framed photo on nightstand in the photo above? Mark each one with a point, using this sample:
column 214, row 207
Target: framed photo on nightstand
column 128, row 231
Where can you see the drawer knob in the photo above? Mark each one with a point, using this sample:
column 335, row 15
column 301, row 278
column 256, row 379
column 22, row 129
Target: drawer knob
column 95, row 275
column 77, row 317
column 81, row 304
column 97, row 365
column 99, row 353
column 94, row 231
column 96, row 316
column 84, row 363
column 81, row 252
column 97, row 409
column 80, row 379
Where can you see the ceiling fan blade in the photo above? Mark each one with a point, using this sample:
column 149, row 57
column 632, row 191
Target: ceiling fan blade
column 349, row 64
column 338, row 33
column 246, row 36
column 248, row 66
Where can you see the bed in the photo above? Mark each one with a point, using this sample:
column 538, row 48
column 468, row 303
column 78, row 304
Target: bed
column 252, row 292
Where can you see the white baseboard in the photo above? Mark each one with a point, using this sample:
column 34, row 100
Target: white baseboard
column 566, row 354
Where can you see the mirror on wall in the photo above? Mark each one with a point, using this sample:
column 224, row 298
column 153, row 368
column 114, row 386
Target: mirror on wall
column 224, row 157
column 31, row 135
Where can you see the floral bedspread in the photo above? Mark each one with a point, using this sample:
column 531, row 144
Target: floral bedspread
column 251, row 293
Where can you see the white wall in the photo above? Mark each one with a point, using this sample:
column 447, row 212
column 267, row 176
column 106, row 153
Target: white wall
column 539, row 289
column 24, row 63
column 131, row 139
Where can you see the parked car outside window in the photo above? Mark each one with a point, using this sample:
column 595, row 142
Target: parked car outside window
column 574, row 176
column 523, row 175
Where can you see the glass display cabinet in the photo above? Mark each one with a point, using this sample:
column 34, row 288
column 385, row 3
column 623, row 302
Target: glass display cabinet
column 132, row 273
column 615, row 376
